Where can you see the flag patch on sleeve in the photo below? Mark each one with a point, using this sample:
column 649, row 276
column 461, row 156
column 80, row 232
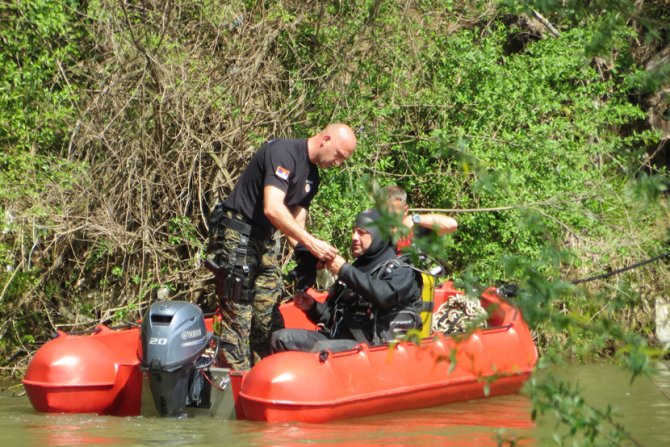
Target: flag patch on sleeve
column 282, row 172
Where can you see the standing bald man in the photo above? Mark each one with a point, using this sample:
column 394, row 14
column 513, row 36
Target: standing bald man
column 273, row 193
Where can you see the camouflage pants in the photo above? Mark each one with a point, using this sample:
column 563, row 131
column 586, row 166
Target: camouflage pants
column 248, row 323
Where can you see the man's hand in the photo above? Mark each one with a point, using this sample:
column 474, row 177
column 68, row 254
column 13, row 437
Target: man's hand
column 335, row 265
column 407, row 221
column 304, row 273
column 292, row 224
column 303, row 301
column 322, row 250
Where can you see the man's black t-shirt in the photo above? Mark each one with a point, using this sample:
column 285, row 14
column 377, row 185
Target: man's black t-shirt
column 281, row 163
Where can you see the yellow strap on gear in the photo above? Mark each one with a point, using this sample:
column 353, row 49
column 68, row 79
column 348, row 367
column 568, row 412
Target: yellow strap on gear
column 427, row 296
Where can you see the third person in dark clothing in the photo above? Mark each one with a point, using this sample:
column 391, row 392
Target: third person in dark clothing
column 374, row 300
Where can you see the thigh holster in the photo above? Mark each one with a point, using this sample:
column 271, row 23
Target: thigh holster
column 236, row 280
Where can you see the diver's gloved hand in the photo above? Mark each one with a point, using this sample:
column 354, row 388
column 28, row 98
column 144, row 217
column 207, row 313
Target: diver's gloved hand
column 304, row 273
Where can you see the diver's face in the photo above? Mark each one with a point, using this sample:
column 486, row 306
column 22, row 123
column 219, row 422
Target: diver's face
column 361, row 240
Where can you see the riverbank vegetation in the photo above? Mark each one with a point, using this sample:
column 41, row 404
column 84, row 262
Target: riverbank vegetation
column 541, row 126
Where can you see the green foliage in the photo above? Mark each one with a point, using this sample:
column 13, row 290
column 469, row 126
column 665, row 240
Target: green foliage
column 538, row 135
column 524, row 132
column 16, row 281
column 36, row 98
column 584, row 424
column 535, row 146
column 25, row 177
column 649, row 188
column 613, row 30
column 182, row 231
column 38, row 95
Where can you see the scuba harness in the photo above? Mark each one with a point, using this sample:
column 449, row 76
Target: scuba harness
column 356, row 312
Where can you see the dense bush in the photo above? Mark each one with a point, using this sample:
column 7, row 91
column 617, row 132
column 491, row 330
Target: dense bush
column 39, row 94
column 536, row 134
column 122, row 123
column 527, row 140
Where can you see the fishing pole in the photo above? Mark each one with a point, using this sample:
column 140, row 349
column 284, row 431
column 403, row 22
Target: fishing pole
column 621, row 270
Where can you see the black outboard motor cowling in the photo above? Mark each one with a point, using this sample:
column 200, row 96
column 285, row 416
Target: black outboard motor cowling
column 173, row 338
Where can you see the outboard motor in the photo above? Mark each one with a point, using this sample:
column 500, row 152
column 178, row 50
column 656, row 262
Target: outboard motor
column 173, row 338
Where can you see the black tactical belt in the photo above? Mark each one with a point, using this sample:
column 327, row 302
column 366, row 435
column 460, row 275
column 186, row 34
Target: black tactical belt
column 234, row 222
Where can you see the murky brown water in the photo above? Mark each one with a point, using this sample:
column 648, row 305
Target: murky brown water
column 643, row 408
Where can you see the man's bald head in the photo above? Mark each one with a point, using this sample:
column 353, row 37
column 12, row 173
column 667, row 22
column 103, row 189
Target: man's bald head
column 330, row 147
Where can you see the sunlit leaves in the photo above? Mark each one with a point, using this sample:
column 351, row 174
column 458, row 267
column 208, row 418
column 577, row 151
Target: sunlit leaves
column 648, row 188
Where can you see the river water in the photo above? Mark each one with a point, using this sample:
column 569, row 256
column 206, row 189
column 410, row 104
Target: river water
column 643, row 408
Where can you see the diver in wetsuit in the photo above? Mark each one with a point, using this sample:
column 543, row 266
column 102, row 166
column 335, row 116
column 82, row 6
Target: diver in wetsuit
column 375, row 298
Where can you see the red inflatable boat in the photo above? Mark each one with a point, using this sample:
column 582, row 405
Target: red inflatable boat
column 101, row 373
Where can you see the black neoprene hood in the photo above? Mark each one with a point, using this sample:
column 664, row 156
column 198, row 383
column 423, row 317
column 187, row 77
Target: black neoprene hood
column 369, row 221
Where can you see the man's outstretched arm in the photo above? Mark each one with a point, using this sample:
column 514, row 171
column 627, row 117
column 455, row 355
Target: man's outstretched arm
column 281, row 218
